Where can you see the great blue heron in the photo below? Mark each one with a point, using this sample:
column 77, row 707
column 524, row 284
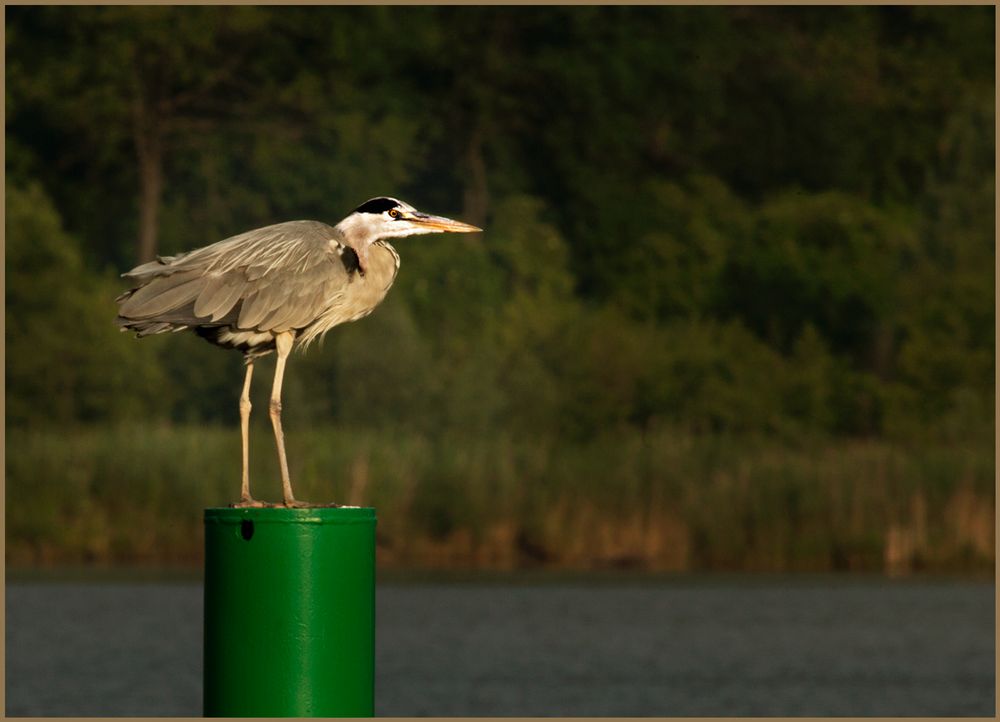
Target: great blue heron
column 273, row 288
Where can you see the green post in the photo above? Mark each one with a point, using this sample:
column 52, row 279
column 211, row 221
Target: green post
column 289, row 612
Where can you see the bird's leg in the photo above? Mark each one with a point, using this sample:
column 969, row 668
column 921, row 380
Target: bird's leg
column 283, row 343
column 245, row 406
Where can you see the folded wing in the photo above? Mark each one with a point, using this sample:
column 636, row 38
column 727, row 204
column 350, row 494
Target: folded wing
column 278, row 278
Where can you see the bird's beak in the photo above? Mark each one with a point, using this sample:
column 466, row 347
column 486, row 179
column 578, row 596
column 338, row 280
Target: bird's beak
column 440, row 223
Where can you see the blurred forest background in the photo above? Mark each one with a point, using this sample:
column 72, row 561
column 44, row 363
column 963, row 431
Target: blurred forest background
column 733, row 308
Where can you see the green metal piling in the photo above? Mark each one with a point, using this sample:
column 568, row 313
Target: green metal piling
column 289, row 612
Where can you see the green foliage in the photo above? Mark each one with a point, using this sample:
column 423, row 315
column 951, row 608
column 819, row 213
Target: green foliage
column 828, row 259
column 66, row 360
column 726, row 220
column 676, row 266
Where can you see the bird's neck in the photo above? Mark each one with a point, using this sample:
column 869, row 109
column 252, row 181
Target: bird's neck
column 355, row 233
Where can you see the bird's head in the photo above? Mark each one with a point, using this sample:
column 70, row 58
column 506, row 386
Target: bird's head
column 391, row 218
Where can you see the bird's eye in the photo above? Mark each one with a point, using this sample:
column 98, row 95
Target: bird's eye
column 393, row 213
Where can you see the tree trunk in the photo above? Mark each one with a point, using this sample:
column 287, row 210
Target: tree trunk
column 477, row 194
column 148, row 135
column 882, row 350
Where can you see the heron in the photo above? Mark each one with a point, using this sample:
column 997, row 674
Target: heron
column 273, row 289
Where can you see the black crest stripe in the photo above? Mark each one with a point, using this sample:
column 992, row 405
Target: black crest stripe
column 376, row 205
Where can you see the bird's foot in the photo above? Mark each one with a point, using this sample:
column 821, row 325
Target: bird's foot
column 296, row 504
column 287, row 504
column 248, row 503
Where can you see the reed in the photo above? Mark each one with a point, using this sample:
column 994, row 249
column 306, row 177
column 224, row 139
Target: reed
column 662, row 501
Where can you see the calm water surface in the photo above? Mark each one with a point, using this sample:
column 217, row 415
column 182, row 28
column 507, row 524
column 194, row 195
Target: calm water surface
column 692, row 647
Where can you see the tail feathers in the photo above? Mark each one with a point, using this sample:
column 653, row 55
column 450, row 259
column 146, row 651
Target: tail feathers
column 176, row 319
column 147, row 328
column 171, row 298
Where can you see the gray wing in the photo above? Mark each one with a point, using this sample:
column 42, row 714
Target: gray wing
column 276, row 278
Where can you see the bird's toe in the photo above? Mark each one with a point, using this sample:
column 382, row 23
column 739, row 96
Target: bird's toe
column 249, row 504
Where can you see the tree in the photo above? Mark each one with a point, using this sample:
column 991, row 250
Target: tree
column 65, row 362
column 136, row 76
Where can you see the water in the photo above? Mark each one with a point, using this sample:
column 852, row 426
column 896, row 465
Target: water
column 686, row 647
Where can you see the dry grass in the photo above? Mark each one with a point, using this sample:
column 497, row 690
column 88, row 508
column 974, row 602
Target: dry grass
column 664, row 501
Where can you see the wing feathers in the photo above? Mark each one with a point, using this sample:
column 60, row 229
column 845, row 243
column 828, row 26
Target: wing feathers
column 161, row 295
column 219, row 296
column 265, row 301
column 277, row 278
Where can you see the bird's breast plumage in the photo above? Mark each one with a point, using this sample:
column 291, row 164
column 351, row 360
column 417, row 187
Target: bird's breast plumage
column 361, row 294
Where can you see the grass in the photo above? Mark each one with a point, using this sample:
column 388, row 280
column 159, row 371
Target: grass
column 662, row 501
